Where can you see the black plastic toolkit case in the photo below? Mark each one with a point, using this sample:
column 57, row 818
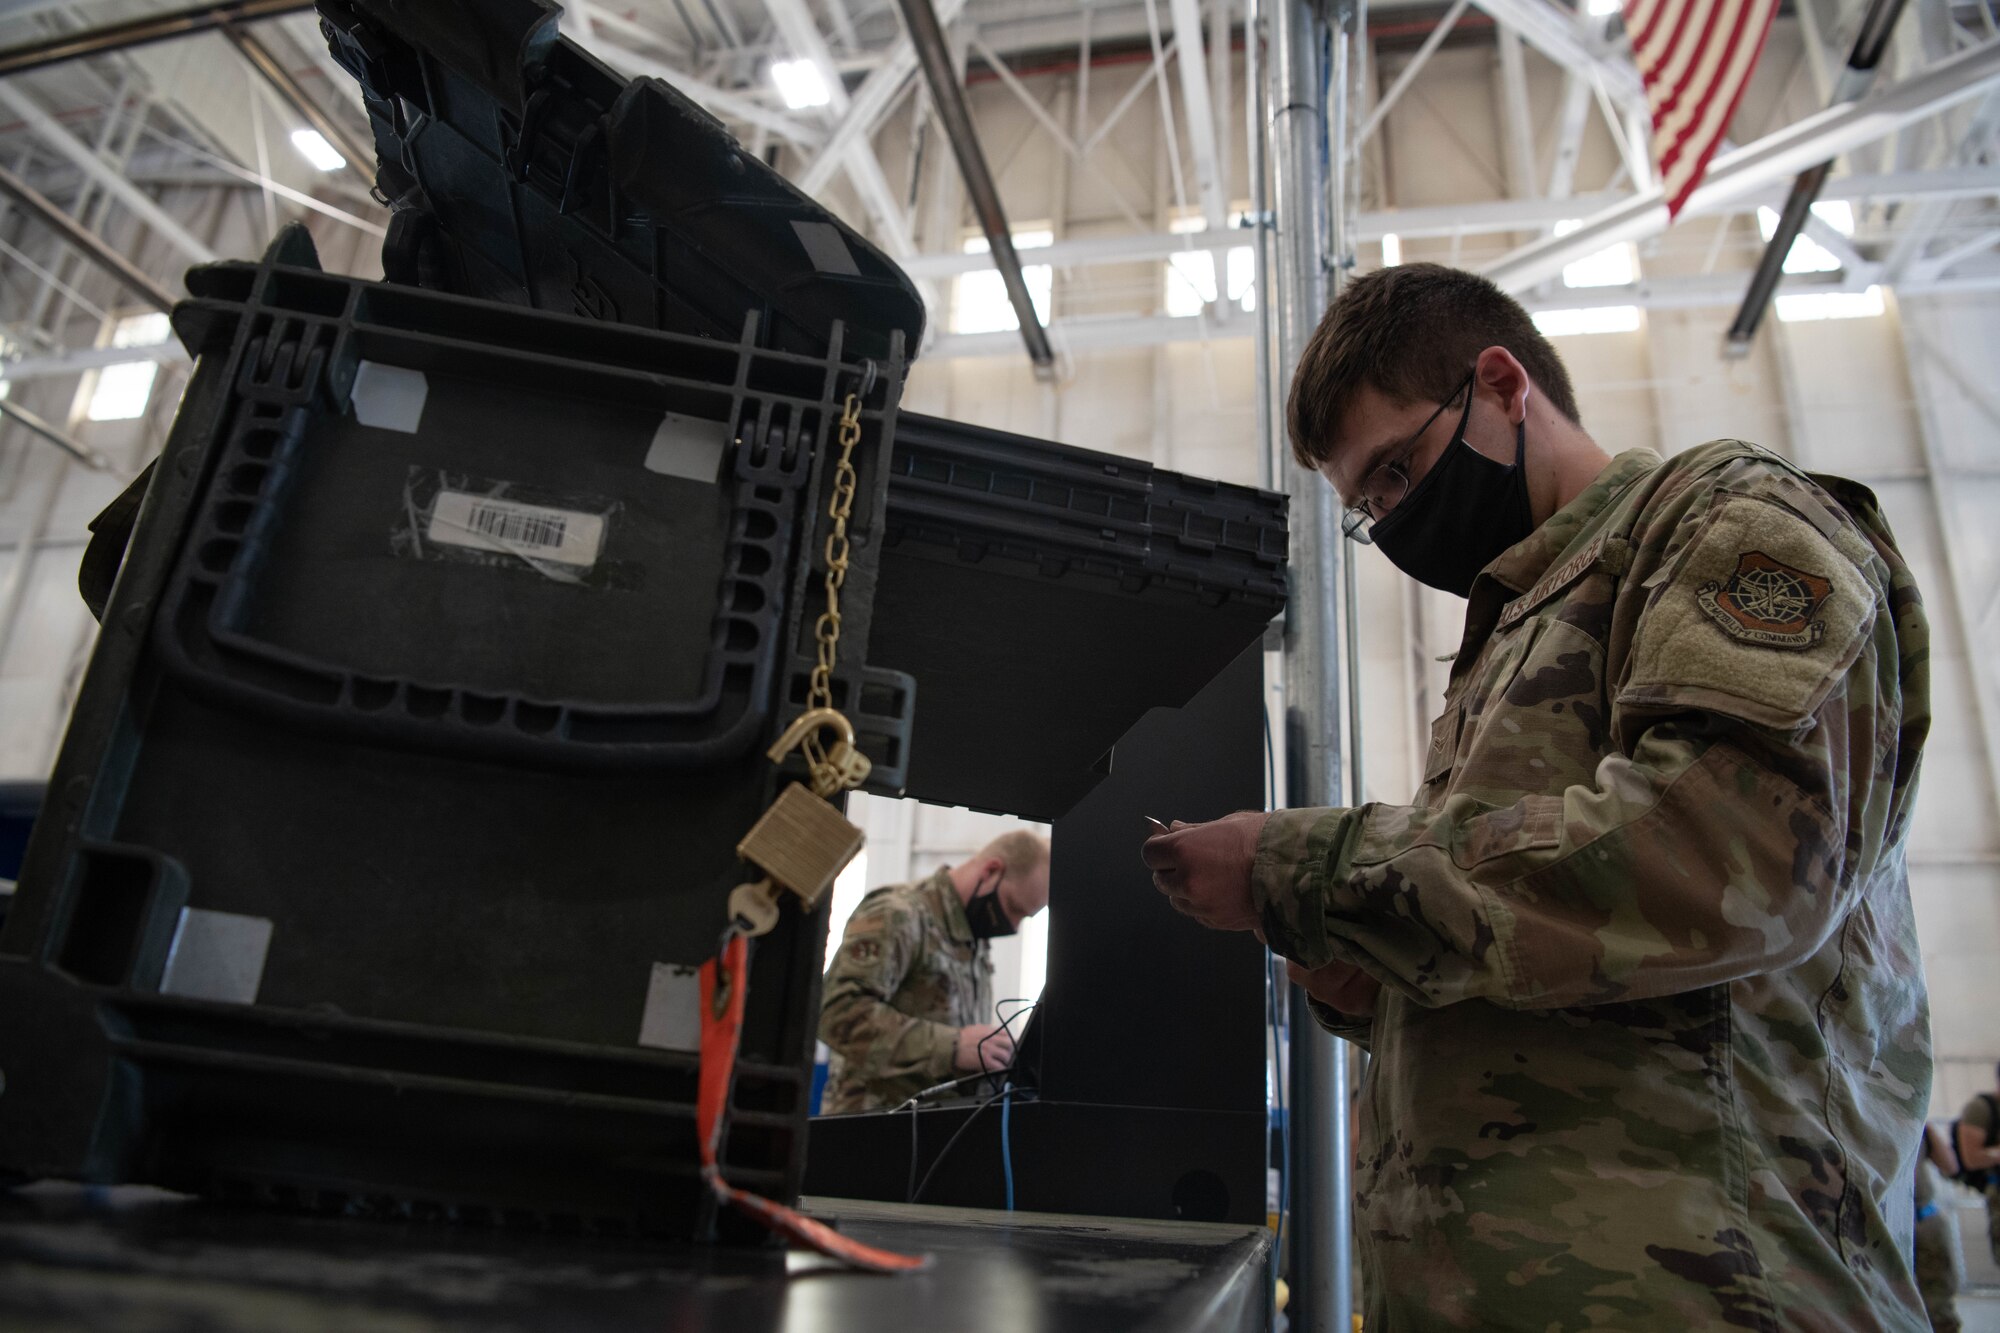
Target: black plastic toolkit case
column 400, row 799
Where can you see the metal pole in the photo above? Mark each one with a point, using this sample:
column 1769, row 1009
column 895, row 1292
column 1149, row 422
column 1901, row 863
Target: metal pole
column 92, row 246
column 35, row 425
column 948, row 99
column 1322, row 1291
column 140, row 32
column 1260, row 221
column 266, row 63
column 1873, row 39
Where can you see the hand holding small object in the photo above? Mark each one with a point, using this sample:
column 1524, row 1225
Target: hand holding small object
column 1204, row 869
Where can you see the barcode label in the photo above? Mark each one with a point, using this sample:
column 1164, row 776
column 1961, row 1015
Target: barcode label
column 533, row 532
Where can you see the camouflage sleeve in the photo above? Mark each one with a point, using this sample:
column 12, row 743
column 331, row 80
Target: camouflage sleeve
column 877, row 1040
column 1345, row 1026
column 1715, row 844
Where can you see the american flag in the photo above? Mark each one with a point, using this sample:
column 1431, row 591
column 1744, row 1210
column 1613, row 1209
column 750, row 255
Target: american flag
column 1696, row 57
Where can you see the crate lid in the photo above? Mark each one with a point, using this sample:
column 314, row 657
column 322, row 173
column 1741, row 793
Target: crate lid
column 522, row 169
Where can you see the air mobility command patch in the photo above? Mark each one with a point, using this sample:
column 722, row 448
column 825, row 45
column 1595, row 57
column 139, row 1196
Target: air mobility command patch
column 1767, row 602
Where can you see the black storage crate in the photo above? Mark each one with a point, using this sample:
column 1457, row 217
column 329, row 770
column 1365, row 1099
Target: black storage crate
column 522, row 169
column 1024, row 579
column 378, row 859
column 1046, row 596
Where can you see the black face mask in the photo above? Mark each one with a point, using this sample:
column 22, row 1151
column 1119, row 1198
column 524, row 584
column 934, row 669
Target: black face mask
column 986, row 916
column 1466, row 510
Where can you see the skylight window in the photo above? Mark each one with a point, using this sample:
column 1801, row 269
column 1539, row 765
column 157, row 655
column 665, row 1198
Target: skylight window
column 1190, row 274
column 1831, row 305
column 1589, row 319
column 123, row 390
column 979, row 299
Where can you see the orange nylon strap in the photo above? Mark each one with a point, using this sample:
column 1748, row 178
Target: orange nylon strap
column 724, row 984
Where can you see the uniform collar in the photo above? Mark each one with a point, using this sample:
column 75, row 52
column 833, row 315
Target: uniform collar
column 1518, row 567
column 944, row 897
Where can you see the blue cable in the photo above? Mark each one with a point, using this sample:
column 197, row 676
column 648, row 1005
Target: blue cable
column 1284, row 1127
column 1271, row 990
column 1007, row 1141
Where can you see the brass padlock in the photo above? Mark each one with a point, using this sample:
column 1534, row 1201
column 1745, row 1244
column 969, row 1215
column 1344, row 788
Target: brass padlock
column 802, row 843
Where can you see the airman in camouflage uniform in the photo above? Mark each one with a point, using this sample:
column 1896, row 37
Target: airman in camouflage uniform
column 1652, row 1048
column 1940, row 1268
column 1651, row 1041
column 909, row 996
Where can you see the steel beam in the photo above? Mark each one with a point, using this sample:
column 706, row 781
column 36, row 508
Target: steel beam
column 1958, row 253
column 86, row 242
column 1412, row 69
column 869, row 104
column 948, row 97
column 88, row 358
column 1172, row 137
column 1952, row 547
column 1571, row 121
column 1086, row 334
column 1064, row 140
column 1484, row 217
column 1221, row 90
column 1554, row 31
column 1746, row 171
column 42, row 430
column 1517, row 142
column 1908, row 253
column 45, row 127
column 1199, row 105
column 140, row 32
column 1131, row 95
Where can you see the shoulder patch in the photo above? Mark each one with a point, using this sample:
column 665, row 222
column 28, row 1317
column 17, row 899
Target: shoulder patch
column 1766, row 601
column 1758, row 618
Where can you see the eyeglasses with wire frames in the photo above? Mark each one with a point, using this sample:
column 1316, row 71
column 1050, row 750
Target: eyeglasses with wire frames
column 1389, row 481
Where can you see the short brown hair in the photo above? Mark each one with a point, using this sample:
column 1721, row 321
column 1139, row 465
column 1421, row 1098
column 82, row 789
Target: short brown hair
column 1412, row 331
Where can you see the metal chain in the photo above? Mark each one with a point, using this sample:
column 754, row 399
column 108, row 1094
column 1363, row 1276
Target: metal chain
column 826, row 630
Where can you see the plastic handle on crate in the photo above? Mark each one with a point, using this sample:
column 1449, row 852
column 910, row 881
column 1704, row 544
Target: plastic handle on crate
column 724, row 984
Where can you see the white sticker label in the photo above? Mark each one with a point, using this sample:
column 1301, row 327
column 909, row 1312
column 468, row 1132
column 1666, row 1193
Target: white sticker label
column 533, row 532
column 672, row 1020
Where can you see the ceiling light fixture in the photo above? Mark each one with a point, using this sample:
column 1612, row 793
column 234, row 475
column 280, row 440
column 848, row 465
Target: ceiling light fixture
column 312, row 146
column 801, row 84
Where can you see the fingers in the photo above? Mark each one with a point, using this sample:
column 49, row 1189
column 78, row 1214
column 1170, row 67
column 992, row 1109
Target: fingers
column 999, row 1051
column 1161, row 851
column 1338, row 986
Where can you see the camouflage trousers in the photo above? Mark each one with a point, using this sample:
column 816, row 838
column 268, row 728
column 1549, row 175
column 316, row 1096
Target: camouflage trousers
column 1940, row 1269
